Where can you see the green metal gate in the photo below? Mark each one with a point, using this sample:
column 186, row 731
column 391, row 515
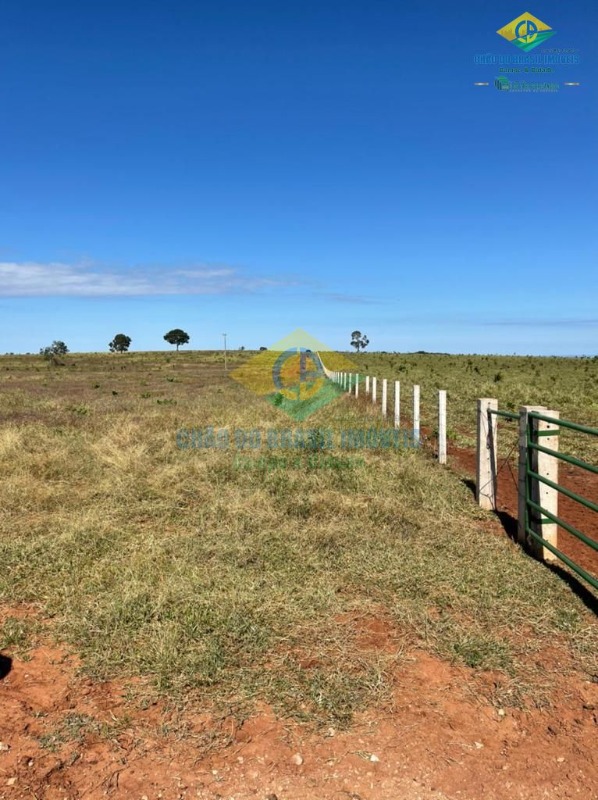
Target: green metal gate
column 535, row 514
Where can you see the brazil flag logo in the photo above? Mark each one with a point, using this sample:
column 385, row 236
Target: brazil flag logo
column 526, row 32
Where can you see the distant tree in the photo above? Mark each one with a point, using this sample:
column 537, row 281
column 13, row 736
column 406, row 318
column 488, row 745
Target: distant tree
column 52, row 351
column 242, row 347
column 263, row 348
column 57, row 348
column 120, row 343
column 359, row 341
column 177, row 337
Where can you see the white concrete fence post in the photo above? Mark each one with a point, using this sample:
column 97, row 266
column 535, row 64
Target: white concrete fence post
column 522, row 477
column 350, row 382
column 416, row 413
column 397, row 404
column 384, row 396
column 374, row 389
column 486, row 453
column 442, row 426
column 367, row 384
column 546, row 466
column 357, row 385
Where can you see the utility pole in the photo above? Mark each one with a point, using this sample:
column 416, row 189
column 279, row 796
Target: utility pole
column 225, row 365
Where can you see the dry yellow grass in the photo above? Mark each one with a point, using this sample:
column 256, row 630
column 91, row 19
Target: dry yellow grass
column 180, row 566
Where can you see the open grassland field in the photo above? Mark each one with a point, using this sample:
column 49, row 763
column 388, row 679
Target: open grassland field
column 567, row 385
column 221, row 583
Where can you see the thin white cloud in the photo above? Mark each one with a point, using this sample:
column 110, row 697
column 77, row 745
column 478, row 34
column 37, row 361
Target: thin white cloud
column 31, row 279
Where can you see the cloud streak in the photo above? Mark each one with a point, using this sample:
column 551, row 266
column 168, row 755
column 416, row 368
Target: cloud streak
column 474, row 321
column 33, row 279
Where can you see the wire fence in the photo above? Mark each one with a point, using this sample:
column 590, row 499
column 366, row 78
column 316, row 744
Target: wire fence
column 385, row 394
column 538, row 486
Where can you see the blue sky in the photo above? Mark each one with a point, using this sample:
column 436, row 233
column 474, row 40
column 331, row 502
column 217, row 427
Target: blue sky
column 255, row 167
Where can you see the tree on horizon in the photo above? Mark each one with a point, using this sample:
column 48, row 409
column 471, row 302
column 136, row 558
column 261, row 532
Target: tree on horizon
column 359, row 341
column 177, row 337
column 52, row 351
column 120, row 343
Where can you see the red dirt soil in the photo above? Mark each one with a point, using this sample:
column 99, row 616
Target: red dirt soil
column 439, row 738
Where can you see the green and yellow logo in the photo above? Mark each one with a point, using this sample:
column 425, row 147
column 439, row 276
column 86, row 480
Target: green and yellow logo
column 292, row 376
column 526, row 32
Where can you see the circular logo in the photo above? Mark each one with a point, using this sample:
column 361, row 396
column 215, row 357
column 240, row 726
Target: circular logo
column 526, row 31
column 297, row 374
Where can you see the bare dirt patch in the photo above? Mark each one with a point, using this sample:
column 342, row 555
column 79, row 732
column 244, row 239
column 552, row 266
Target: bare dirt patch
column 439, row 736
